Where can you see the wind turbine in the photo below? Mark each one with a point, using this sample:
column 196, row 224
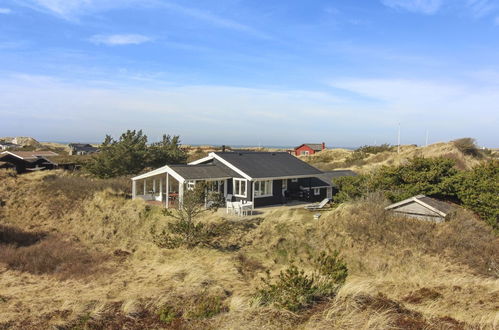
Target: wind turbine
column 398, row 141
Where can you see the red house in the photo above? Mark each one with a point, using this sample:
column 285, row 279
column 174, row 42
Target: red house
column 309, row 149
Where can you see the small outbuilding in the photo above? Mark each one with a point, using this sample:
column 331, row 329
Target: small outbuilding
column 309, row 149
column 82, row 149
column 423, row 207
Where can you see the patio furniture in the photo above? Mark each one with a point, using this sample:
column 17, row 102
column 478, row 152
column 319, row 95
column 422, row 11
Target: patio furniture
column 229, row 207
column 238, row 210
column 318, row 206
column 247, row 208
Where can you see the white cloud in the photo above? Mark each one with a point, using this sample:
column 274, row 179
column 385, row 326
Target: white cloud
column 119, row 39
column 238, row 115
column 427, row 7
column 5, row 11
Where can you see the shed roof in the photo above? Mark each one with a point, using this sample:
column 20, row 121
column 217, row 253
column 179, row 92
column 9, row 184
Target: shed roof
column 433, row 204
column 268, row 164
column 330, row 175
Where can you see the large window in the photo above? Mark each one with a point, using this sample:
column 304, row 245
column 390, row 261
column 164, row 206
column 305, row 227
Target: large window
column 304, row 152
column 263, row 188
column 240, row 187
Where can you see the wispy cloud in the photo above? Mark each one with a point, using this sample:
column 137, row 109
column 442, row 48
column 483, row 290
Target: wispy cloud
column 72, row 10
column 214, row 19
column 481, row 8
column 66, row 9
column 119, row 39
column 427, row 7
column 5, row 11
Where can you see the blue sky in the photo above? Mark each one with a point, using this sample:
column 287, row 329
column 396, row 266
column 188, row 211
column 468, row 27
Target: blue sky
column 251, row 72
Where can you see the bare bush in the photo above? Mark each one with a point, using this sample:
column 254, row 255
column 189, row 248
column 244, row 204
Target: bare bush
column 51, row 255
column 467, row 146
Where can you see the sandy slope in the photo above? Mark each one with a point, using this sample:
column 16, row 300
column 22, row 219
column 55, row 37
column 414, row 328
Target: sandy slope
column 402, row 272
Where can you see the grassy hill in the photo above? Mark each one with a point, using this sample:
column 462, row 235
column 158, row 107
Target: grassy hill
column 364, row 162
column 76, row 253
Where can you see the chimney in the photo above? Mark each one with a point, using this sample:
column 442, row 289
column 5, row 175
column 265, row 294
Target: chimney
column 323, row 146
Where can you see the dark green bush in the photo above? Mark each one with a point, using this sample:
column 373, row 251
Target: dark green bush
column 294, row 289
column 375, row 149
column 420, row 176
column 206, row 306
column 167, row 314
column 131, row 154
column 476, row 189
column 332, row 266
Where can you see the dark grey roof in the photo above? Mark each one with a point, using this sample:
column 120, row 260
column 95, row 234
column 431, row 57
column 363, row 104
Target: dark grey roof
column 330, row 175
column 83, row 147
column 269, row 164
column 204, row 171
column 435, row 203
column 440, row 206
column 316, row 182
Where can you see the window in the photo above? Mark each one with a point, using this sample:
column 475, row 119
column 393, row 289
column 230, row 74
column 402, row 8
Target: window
column 294, row 180
column 240, row 187
column 304, row 152
column 284, row 184
column 317, row 191
column 263, row 188
column 191, row 184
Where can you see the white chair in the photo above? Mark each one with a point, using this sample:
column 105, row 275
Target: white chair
column 230, row 207
column 238, row 209
column 248, row 208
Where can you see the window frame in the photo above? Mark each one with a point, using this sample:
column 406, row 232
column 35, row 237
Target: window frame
column 190, row 184
column 268, row 185
column 238, row 192
column 317, row 191
column 294, row 180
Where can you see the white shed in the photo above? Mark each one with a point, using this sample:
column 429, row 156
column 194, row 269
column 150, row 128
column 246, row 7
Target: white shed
column 422, row 207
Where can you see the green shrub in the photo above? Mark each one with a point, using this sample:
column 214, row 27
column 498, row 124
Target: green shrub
column 375, row 149
column 206, row 306
column 478, row 190
column 185, row 230
column 167, row 314
column 419, row 176
column 332, row 267
column 131, row 154
column 181, row 233
column 294, row 289
column 355, row 158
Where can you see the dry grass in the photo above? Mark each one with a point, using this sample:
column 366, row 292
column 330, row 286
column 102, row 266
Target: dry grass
column 403, row 273
column 331, row 159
